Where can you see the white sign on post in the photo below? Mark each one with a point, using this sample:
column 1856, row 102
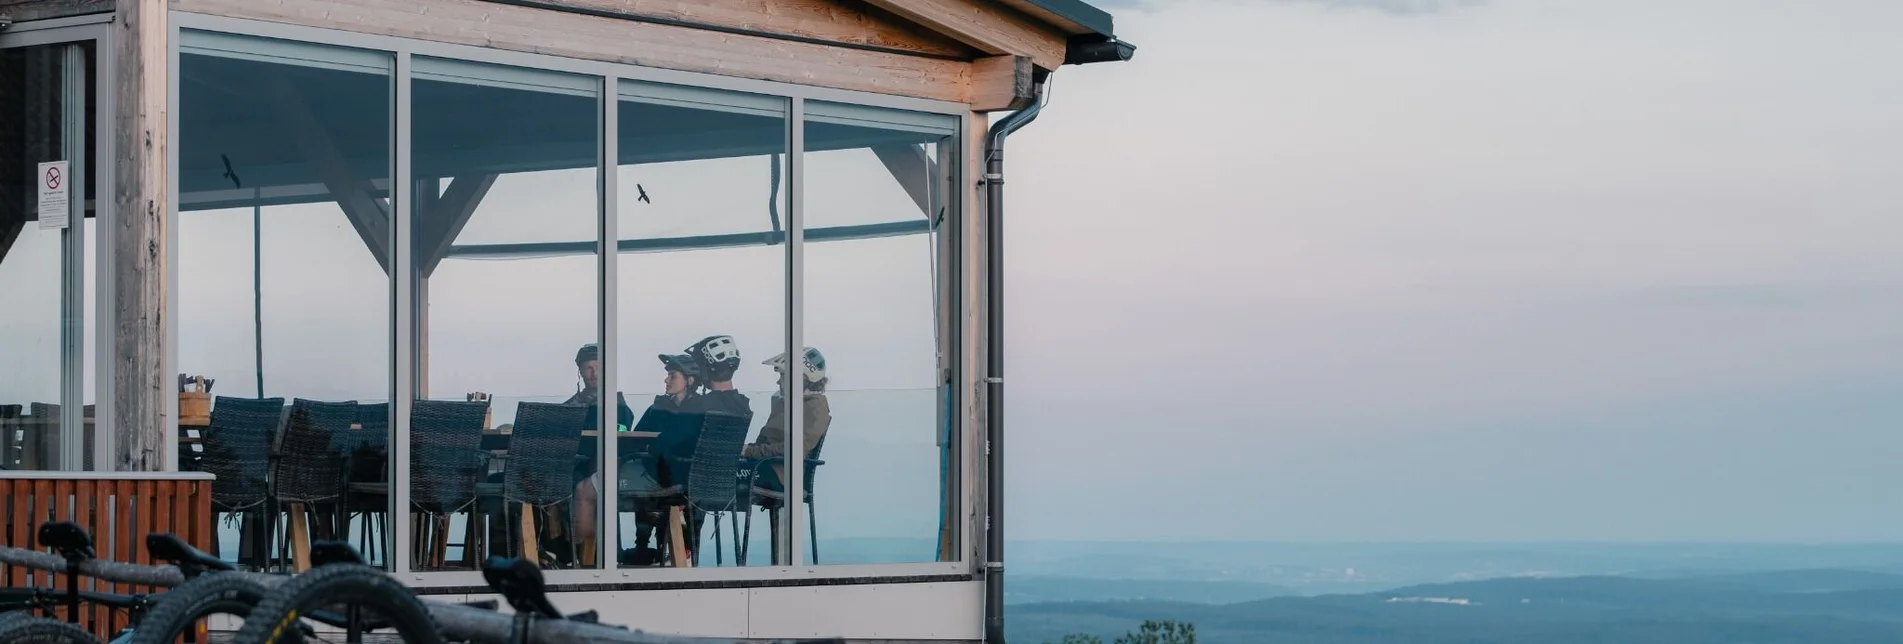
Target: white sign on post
column 55, row 205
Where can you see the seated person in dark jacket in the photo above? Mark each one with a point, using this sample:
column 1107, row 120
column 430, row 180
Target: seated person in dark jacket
column 717, row 357
column 640, row 472
column 588, row 367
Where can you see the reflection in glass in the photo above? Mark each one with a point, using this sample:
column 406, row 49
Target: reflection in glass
column 284, row 290
column 44, row 271
column 505, row 432
column 879, row 460
column 702, row 281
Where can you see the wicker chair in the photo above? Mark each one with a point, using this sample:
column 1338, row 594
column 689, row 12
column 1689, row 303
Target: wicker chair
column 365, row 486
column 543, row 450
column 773, row 500
column 710, row 488
column 308, row 468
column 44, row 436
column 10, row 436
column 446, row 463
column 238, row 454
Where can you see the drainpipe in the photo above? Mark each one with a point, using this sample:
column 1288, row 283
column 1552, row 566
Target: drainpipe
column 994, row 360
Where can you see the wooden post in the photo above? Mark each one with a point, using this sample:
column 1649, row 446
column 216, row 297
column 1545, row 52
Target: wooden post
column 139, row 215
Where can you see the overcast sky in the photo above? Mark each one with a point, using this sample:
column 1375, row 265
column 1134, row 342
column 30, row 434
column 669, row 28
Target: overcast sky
column 1305, row 269
column 1404, row 269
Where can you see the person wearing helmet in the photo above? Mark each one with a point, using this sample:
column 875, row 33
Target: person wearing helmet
column 588, row 368
column 818, row 417
column 717, row 358
column 663, row 416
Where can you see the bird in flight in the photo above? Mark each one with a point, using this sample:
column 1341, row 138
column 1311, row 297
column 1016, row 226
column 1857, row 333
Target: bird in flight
column 644, row 194
column 229, row 173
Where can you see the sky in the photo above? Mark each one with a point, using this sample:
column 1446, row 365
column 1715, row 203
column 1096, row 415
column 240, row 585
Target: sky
column 1330, row 270
column 1463, row 270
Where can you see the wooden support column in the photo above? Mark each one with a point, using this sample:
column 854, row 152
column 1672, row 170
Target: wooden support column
column 139, row 216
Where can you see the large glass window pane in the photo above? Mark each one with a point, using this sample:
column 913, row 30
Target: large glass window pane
column 46, row 110
column 880, row 459
column 702, row 220
column 284, row 288
column 504, row 434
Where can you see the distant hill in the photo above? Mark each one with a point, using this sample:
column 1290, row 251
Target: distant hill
column 1045, row 589
column 1724, row 609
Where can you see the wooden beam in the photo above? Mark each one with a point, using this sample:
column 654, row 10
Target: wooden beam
column 140, row 206
column 24, row 10
column 1002, row 83
column 913, row 170
column 985, row 26
column 369, row 215
column 527, row 29
column 828, row 20
column 446, row 217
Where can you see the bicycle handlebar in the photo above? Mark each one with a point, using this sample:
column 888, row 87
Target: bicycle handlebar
column 166, row 576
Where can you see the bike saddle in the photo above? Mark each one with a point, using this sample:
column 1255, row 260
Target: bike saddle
column 335, row 552
column 68, row 538
column 165, row 546
column 519, row 581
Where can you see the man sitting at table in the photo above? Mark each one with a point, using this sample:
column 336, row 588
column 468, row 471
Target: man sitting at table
column 818, row 416
column 588, row 368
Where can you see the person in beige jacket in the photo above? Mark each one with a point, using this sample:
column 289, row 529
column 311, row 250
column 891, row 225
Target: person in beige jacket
column 771, row 441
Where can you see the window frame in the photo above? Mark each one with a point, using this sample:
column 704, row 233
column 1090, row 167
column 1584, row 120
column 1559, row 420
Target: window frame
column 611, row 78
column 80, row 30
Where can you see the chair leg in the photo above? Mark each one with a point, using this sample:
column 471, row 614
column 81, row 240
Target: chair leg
column 677, row 547
column 773, row 532
column 530, row 549
column 717, row 561
column 739, row 550
column 812, row 532
column 300, row 537
column 745, row 541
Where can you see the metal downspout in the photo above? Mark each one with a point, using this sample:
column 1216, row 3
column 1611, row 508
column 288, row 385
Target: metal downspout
column 994, row 360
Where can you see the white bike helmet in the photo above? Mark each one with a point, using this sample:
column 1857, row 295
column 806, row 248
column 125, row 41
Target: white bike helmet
column 719, row 356
column 814, row 368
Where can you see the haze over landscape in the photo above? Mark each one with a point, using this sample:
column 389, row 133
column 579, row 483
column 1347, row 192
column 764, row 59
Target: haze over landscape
column 1318, row 301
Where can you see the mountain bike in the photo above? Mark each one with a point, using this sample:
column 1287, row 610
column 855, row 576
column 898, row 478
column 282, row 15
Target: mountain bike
column 200, row 586
column 75, row 556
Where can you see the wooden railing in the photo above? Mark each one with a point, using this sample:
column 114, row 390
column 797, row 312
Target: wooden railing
column 118, row 509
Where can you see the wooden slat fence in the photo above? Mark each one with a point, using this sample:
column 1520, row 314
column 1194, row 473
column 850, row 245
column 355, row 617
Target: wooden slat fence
column 118, row 509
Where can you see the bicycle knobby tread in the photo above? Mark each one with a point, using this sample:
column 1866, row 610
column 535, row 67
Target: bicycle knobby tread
column 179, row 609
column 274, row 620
column 42, row 630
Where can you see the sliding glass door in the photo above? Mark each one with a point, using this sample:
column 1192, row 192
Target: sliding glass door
column 49, row 104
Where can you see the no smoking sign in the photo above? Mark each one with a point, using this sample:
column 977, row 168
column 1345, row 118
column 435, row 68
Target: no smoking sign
column 55, row 204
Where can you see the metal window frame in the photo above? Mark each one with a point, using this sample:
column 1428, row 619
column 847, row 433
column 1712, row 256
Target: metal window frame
column 75, row 32
column 794, row 393
column 611, row 75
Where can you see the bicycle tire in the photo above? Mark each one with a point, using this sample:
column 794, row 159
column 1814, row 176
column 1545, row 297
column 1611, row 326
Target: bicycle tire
column 275, row 620
column 42, row 630
column 179, row 609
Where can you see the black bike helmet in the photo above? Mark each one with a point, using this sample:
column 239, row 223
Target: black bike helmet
column 686, row 364
column 718, row 355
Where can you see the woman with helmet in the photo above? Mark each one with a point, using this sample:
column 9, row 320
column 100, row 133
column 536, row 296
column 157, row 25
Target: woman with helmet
column 717, row 358
column 664, row 416
column 818, row 416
